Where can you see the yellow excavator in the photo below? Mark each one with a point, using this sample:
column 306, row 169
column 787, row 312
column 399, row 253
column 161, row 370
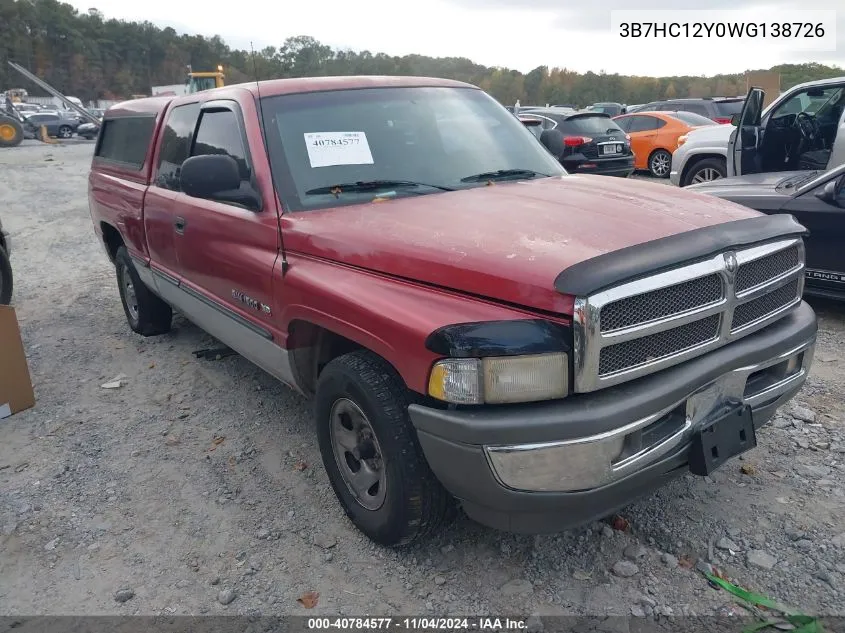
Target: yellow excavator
column 199, row 81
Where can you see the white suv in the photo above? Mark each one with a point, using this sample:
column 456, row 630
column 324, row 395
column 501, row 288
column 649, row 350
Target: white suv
column 804, row 128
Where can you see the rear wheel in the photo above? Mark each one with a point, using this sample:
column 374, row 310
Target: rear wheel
column 705, row 171
column 146, row 313
column 659, row 163
column 65, row 131
column 371, row 453
column 5, row 278
column 11, row 132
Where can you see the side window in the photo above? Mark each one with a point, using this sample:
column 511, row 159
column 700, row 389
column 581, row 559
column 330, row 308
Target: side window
column 625, row 123
column 643, row 123
column 125, row 140
column 176, row 145
column 219, row 132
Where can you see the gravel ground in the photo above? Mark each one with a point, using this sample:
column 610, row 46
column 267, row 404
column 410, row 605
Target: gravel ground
column 197, row 486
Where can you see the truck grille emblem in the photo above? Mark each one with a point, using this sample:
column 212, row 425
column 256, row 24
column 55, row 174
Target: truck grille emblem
column 731, row 264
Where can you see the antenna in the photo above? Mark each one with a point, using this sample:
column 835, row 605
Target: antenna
column 267, row 152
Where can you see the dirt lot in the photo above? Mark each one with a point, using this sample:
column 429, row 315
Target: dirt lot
column 186, row 486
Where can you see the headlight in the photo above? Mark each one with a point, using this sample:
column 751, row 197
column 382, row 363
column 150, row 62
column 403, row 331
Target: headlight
column 500, row 379
column 682, row 140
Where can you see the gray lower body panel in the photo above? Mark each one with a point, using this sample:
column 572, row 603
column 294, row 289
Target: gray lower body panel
column 551, row 466
column 248, row 339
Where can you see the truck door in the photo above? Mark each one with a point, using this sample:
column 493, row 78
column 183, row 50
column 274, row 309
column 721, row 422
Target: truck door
column 744, row 144
column 161, row 216
column 227, row 251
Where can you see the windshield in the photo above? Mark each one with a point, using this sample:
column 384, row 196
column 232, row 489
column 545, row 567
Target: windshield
column 691, row 118
column 431, row 137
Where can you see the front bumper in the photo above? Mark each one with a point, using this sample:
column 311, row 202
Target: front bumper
column 550, row 466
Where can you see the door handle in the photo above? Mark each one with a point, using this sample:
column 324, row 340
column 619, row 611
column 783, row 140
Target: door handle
column 179, row 225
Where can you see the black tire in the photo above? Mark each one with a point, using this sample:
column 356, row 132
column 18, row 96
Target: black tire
column 660, row 163
column 415, row 504
column 11, row 133
column 717, row 165
column 148, row 315
column 65, row 131
column 6, row 285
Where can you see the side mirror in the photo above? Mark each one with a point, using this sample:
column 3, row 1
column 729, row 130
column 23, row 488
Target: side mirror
column 208, row 175
column 217, row 177
column 830, row 191
column 735, row 119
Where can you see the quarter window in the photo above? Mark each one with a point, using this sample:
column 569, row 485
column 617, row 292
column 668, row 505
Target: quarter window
column 125, row 140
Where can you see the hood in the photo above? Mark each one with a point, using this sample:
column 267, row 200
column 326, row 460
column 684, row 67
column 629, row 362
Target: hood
column 715, row 134
column 752, row 184
column 508, row 241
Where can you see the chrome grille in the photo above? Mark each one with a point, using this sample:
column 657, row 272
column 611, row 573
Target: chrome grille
column 639, row 351
column 661, row 303
column 763, row 306
column 767, row 268
column 646, row 325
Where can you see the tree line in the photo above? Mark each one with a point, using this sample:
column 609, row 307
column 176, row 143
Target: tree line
column 86, row 55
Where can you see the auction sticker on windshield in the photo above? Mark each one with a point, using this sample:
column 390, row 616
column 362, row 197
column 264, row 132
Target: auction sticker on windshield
column 326, row 149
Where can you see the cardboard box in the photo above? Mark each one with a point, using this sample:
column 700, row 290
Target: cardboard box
column 16, row 393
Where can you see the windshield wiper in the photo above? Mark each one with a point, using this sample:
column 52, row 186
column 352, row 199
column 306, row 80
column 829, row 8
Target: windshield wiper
column 370, row 185
column 503, row 174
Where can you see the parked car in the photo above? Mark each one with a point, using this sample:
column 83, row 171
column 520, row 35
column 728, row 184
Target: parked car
column 654, row 136
column 5, row 267
column 817, row 200
column 805, row 131
column 88, row 130
column 27, row 108
column 609, row 108
column 584, row 142
column 473, row 323
column 56, row 124
column 702, row 155
column 719, row 109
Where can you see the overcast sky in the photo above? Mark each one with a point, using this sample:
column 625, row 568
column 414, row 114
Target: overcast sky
column 520, row 34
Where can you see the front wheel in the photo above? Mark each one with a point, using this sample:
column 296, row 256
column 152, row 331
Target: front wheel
column 705, row 171
column 371, row 453
column 65, row 131
column 659, row 163
column 5, row 278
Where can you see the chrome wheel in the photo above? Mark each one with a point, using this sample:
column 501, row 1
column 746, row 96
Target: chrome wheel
column 661, row 162
column 358, row 454
column 129, row 293
column 706, row 175
column 65, row 132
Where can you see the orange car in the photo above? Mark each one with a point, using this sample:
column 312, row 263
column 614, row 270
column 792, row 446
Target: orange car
column 654, row 136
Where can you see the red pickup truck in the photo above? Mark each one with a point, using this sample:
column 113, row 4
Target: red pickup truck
column 478, row 328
